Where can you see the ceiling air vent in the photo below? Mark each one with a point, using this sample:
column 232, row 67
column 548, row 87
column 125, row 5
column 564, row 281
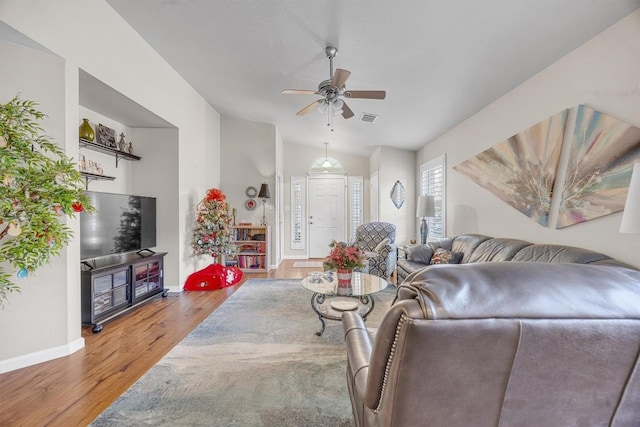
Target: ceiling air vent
column 368, row 117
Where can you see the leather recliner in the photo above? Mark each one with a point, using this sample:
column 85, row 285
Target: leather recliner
column 501, row 344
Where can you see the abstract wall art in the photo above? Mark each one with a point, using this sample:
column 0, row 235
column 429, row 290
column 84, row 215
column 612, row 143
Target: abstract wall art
column 595, row 167
column 603, row 151
column 521, row 170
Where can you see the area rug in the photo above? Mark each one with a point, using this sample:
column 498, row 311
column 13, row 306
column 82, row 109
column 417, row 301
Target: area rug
column 255, row 361
column 305, row 264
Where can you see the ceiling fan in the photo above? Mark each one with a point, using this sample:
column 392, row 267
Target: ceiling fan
column 333, row 90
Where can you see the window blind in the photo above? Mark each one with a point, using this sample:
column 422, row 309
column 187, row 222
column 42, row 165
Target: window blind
column 433, row 182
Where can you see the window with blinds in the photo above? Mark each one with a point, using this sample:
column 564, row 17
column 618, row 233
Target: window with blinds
column 433, row 182
column 356, row 202
column 297, row 213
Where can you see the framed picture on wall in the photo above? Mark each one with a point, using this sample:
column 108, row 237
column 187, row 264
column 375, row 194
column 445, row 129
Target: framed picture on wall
column 106, row 136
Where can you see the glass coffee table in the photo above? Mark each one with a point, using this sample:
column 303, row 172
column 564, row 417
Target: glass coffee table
column 328, row 304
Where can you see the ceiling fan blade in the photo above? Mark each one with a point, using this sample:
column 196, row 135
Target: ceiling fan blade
column 309, row 108
column 298, row 92
column 346, row 111
column 366, row 94
column 340, row 76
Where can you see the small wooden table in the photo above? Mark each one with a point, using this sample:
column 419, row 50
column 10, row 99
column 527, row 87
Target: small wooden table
column 325, row 285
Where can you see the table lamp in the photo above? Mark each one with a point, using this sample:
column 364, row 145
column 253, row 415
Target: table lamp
column 264, row 195
column 426, row 209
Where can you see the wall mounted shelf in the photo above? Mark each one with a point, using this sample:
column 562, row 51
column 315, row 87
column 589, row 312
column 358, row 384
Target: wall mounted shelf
column 88, row 177
column 91, row 145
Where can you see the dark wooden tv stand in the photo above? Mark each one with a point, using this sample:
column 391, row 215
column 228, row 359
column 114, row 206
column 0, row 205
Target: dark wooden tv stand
column 115, row 284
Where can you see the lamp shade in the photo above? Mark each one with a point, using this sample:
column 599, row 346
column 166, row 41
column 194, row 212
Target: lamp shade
column 426, row 207
column 264, row 191
column 631, row 215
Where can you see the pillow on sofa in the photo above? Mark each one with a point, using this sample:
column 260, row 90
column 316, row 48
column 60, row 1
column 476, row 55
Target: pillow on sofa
column 420, row 253
column 380, row 246
column 443, row 256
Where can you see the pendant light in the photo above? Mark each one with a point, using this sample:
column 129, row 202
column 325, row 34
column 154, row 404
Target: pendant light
column 326, row 164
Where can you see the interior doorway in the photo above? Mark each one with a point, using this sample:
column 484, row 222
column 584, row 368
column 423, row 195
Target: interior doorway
column 327, row 213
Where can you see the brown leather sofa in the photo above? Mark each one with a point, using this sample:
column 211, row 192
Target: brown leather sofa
column 481, row 248
column 502, row 344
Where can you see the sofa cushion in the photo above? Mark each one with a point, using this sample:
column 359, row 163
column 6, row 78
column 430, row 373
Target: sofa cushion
column 406, row 267
column 558, row 254
column 443, row 256
column 467, row 243
column 497, row 249
column 420, row 253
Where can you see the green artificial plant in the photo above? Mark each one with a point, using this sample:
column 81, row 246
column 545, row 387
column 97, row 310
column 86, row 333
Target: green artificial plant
column 39, row 185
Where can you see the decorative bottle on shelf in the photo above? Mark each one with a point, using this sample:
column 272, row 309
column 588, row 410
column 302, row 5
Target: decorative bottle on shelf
column 130, row 147
column 121, row 144
column 86, row 130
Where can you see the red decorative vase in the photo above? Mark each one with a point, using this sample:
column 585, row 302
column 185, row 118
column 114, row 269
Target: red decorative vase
column 344, row 281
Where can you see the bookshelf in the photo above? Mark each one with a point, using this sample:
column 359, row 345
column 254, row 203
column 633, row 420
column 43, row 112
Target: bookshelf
column 253, row 248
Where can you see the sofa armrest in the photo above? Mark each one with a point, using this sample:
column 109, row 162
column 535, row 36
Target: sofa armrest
column 368, row 361
column 358, row 346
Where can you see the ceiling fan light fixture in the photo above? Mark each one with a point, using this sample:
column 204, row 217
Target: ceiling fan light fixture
column 322, row 107
column 332, row 91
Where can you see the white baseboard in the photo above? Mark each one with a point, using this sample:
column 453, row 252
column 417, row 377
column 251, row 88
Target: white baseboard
column 305, row 257
column 40, row 356
column 173, row 289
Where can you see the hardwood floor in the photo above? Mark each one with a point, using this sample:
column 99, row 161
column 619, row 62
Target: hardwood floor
column 73, row 390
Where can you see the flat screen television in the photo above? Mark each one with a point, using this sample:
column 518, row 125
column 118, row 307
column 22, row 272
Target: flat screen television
column 121, row 223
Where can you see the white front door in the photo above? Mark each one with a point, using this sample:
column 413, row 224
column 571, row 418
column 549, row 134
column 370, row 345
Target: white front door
column 327, row 213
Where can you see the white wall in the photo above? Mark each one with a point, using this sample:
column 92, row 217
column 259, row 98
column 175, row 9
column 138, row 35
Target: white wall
column 397, row 165
column 88, row 34
column 248, row 155
column 157, row 175
column 603, row 74
column 373, row 206
column 40, row 310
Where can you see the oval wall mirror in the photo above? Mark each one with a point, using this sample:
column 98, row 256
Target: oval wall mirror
column 397, row 194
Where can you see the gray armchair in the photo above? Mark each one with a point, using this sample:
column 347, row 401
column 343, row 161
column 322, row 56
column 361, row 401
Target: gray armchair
column 378, row 242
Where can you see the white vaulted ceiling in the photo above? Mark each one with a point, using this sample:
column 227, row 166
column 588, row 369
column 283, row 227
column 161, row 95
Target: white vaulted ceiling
column 439, row 61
